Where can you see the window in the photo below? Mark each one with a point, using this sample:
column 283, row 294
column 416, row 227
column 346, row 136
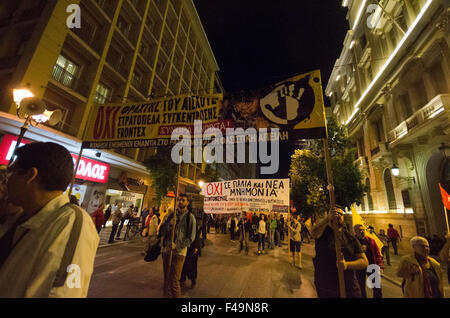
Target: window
column 102, row 94
column 363, row 41
column 406, row 106
column 406, row 199
column 65, row 71
column 369, row 196
column 361, row 147
column 123, row 26
column 440, row 84
column 379, row 130
column 390, row 190
column 421, row 94
column 393, row 36
column 137, row 78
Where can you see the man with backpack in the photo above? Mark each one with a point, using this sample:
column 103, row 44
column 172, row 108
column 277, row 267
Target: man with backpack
column 48, row 250
column 174, row 252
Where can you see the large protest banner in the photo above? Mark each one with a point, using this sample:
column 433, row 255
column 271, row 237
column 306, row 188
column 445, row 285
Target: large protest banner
column 295, row 106
column 150, row 124
column 251, row 195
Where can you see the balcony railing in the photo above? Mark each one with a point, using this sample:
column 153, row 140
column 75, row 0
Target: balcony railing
column 429, row 111
column 69, row 80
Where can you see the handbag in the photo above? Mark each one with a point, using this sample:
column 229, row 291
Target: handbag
column 153, row 252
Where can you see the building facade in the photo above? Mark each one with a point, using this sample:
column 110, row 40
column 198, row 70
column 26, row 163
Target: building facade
column 124, row 50
column 391, row 88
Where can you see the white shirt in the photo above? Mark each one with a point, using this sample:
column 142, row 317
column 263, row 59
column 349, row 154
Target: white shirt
column 30, row 269
column 262, row 227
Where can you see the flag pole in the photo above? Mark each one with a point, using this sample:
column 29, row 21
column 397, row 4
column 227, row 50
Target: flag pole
column 446, row 219
column 337, row 241
column 174, row 213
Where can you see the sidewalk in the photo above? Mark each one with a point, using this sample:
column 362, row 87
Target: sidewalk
column 106, row 232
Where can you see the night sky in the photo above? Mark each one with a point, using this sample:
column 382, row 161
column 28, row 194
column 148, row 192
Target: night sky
column 261, row 42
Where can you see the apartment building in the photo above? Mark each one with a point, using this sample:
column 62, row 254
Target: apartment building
column 391, row 87
column 125, row 50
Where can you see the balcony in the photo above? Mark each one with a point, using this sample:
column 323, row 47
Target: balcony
column 67, row 79
column 437, row 106
column 362, row 163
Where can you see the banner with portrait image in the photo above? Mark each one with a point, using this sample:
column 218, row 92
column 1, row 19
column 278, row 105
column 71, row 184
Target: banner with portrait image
column 250, row 195
column 295, row 106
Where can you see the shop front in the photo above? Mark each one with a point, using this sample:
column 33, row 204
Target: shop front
column 102, row 176
column 90, row 180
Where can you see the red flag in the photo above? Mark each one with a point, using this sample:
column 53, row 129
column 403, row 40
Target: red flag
column 445, row 197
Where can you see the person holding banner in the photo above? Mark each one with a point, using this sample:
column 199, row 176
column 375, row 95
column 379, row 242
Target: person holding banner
column 325, row 262
column 184, row 235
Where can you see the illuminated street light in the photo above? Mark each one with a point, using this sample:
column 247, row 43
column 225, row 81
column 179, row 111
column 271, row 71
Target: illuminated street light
column 201, row 183
column 395, row 171
column 19, row 94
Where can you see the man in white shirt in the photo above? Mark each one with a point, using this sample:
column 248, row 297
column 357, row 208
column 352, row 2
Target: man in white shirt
column 34, row 243
column 261, row 234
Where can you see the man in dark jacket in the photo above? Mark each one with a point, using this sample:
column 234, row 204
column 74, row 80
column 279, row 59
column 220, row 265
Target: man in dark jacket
column 190, row 263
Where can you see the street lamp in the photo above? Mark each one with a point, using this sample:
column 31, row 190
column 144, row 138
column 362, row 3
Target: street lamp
column 34, row 111
column 201, row 183
column 395, row 170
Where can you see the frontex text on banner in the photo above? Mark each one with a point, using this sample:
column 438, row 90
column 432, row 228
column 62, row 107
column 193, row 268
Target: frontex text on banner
column 249, row 195
column 149, row 124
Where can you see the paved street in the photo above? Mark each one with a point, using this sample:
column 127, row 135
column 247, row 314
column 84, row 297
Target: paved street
column 121, row 272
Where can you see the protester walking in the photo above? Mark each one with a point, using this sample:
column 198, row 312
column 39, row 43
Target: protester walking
column 422, row 275
column 295, row 243
column 184, row 235
column 261, row 234
column 325, row 262
column 393, row 237
column 107, row 214
column 244, row 232
column 38, row 245
column 129, row 214
column 191, row 262
column 373, row 254
column 444, row 255
column 385, row 250
column 150, row 231
column 146, row 212
column 272, row 227
column 116, row 218
column 98, row 217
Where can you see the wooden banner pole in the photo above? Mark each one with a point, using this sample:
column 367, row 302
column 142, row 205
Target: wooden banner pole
column 175, row 213
column 337, row 241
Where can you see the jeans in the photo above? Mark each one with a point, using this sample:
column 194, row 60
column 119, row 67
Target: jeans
column 277, row 237
column 120, row 227
column 394, row 245
column 172, row 288
column 113, row 232
column 271, row 238
column 385, row 252
column 243, row 241
column 362, row 277
column 261, row 239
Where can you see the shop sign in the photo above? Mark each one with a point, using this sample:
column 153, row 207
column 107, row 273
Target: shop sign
column 91, row 170
column 88, row 169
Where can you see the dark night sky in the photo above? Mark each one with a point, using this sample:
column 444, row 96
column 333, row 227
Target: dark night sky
column 261, row 42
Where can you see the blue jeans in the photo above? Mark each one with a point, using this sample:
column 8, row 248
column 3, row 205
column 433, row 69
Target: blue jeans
column 261, row 239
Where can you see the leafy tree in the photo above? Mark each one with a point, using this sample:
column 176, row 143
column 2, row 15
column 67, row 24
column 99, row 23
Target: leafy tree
column 164, row 173
column 309, row 179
